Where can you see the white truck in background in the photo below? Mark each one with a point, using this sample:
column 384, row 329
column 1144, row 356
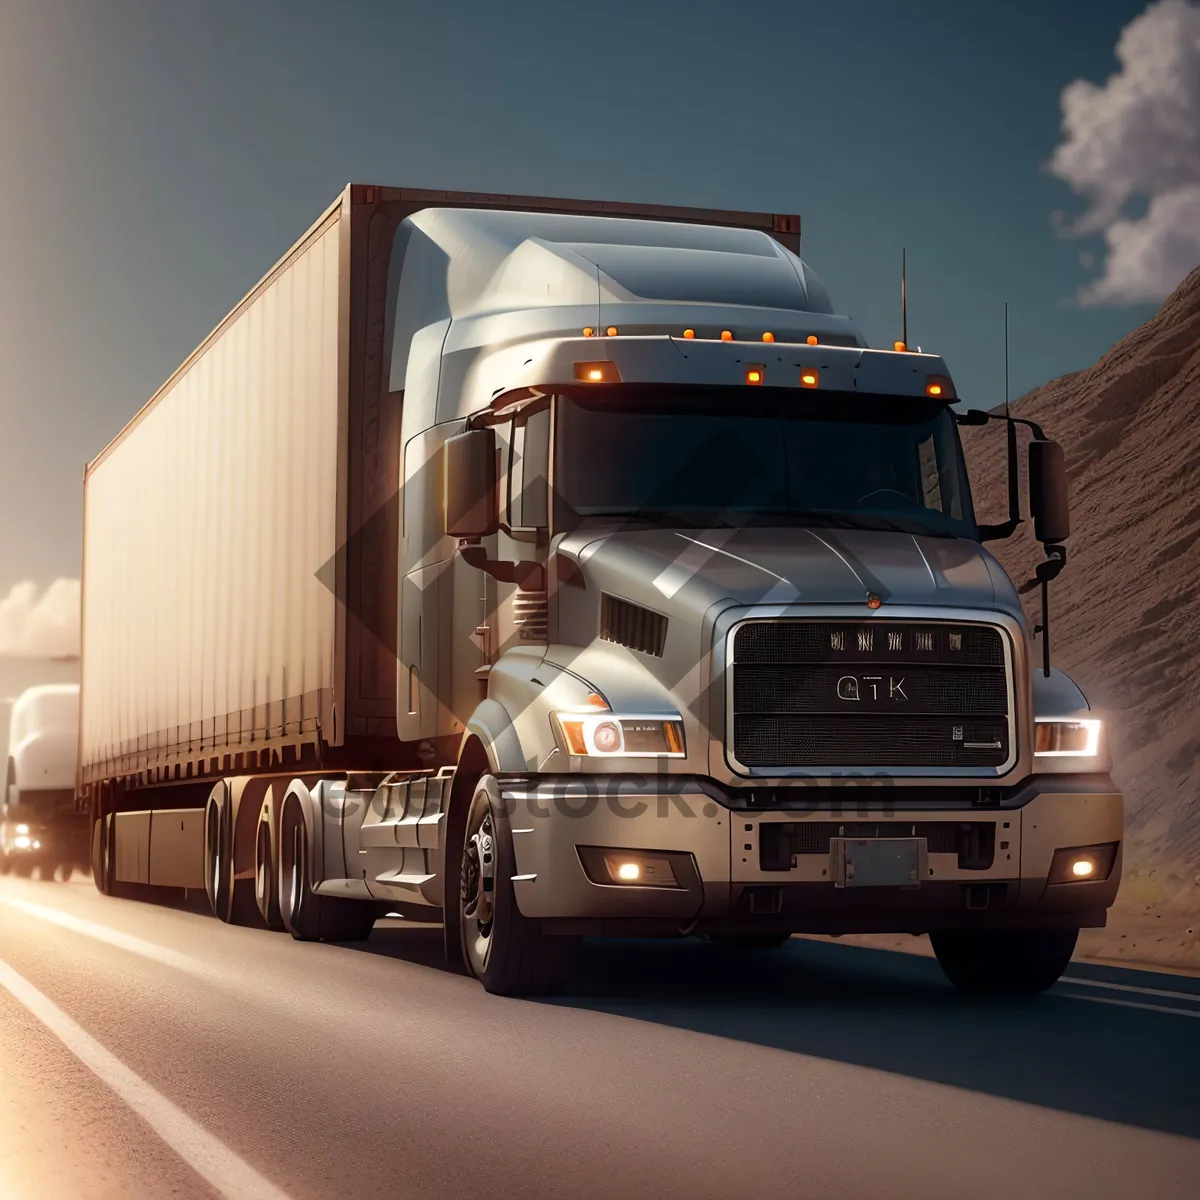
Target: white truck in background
column 39, row 826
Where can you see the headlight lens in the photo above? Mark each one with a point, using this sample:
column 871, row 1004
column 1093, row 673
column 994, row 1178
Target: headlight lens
column 1067, row 739
column 605, row 735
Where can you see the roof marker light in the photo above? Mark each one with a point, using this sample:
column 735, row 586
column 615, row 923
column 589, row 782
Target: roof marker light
column 768, row 337
column 588, row 331
column 808, row 378
column 899, row 346
column 611, row 331
column 689, row 333
column 755, row 373
column 811, row 339
column 726, row 335
column 597, row 372
column 939, row 387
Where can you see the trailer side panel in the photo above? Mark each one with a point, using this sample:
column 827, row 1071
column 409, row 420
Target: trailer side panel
column 207, row 631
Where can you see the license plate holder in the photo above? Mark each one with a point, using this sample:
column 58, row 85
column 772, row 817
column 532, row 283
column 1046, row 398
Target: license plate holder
column 878, row 862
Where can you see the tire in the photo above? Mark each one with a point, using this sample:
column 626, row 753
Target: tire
column 266, row 878
column 1004, row 962
column 5, row 864
column 748, row 941
column 505, row 950
column 23, row 867
column 231, row 899
column 307, row 915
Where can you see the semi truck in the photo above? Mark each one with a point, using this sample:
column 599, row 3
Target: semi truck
column 553, row 569
column 40, row 825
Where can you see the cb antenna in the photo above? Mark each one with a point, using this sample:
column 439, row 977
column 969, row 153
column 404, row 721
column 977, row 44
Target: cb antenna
column 1014, row 493
column 1007, row 413
column 904, row 297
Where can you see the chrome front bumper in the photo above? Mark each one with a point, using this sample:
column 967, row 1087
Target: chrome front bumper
column 553, row 818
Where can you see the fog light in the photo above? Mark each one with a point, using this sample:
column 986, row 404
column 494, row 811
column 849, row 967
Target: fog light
column 636, row 868
column 1080, row 864
column 648, row 870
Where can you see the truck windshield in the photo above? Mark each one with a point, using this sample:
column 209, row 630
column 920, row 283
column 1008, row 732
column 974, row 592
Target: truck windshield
column 749, row 456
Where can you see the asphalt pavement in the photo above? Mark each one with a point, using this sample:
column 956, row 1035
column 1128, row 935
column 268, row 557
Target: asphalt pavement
column 149, row 1051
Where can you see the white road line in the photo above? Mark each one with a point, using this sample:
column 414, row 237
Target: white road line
column 1158, row 1008
column 230, row 1176
column 102, row 933
column 1194, row 997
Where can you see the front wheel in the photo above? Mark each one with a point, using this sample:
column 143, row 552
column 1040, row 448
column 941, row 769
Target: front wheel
column 505, row 950
column 1004, row 962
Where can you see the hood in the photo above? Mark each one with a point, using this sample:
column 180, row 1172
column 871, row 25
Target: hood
column 693, row 569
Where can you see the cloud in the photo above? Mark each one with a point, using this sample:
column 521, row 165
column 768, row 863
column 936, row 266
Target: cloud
column 46, row 626
column 1137, row 137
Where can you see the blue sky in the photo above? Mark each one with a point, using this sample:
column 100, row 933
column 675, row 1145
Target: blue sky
column 156, row 158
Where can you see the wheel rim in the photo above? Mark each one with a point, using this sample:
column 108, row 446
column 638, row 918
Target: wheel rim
column 296, row 899
column 262, row 870
column 214, row 856
column 478, row 886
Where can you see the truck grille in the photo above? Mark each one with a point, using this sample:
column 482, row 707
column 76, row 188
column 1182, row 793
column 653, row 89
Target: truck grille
column 869, row 694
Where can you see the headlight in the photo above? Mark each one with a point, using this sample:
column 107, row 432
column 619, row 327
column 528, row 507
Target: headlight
column 608, row 735
column 1066, row 739
column 22, row 828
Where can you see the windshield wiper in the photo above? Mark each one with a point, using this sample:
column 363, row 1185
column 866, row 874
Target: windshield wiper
column 841, row 519
column 663, row 516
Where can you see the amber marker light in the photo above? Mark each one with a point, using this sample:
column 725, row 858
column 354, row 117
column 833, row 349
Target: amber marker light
column 689, row 333
column 755, row 374
column 900, row 346
column 597, row 372
column 811, row 339
column 611, row 331
column 808, row 377
column 768, row 337
column 726, row 335
column 939, row 387
column 873, row 601
column 588, row 331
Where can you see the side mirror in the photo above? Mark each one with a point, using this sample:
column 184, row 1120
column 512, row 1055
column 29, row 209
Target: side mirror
column 470, row 492
column 972, row 417
column 1048, row 502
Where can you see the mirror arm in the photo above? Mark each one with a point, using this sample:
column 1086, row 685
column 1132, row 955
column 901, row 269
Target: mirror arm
column 1056, row 559
column 528, row 576
column 995, row 533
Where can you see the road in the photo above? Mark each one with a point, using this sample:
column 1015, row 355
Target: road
column 148, row 1051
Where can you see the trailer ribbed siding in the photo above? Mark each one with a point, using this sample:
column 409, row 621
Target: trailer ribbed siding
column 205, row 628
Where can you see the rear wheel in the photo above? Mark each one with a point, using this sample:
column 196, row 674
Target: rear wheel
column 232, row 899
column 505, row 950
column 266, row 878
column 1004, row 962
column 307, row 915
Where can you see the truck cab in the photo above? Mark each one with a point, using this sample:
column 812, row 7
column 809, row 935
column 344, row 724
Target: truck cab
column 727, row 651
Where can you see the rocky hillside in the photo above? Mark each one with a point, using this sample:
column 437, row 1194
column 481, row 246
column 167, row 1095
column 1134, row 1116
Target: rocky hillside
column 1125, row 615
